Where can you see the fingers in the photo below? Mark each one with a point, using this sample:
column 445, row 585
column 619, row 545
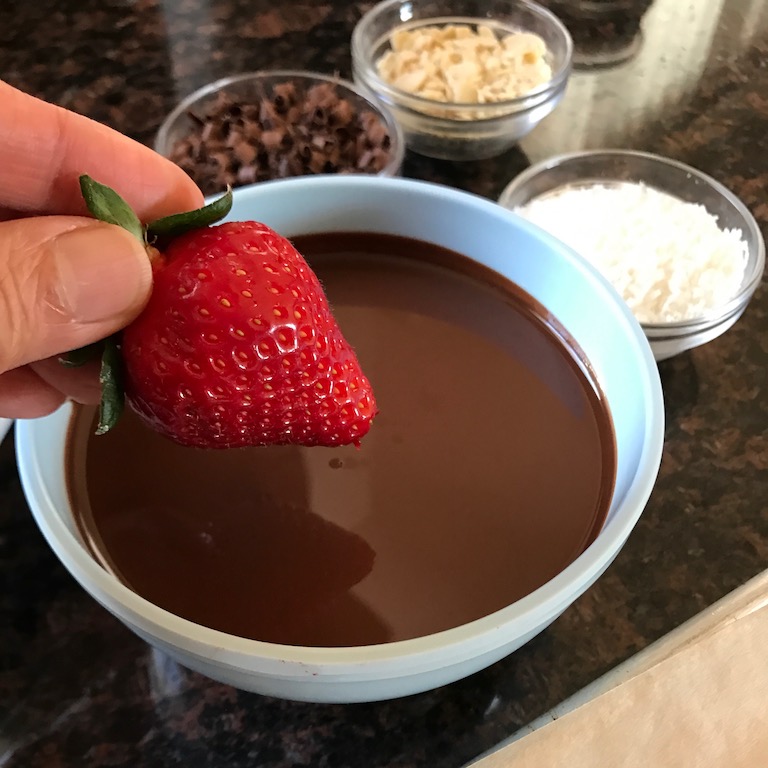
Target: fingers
column 78, row 384
column 66, row 282
column 24, row 395
column 44, row 149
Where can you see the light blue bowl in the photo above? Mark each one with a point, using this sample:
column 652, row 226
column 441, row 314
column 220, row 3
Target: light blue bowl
column 583, row 302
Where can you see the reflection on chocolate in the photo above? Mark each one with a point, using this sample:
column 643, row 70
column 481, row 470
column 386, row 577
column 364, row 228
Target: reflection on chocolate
column 488, row 470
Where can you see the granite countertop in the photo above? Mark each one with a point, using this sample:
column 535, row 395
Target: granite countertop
column 689, row 79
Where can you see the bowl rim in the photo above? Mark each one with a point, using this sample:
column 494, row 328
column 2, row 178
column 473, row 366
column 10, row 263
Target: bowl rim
column 548, row 600
column 397, row 137
column 597, row 7
column 362, row 56
column 695, row 324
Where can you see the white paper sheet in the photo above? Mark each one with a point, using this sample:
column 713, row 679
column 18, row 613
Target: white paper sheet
column 698, row 698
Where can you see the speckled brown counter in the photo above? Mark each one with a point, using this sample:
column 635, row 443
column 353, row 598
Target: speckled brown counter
column 77, row 689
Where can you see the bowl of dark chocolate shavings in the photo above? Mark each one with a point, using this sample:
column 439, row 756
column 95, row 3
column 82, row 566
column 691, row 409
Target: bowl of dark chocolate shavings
column 277, row 124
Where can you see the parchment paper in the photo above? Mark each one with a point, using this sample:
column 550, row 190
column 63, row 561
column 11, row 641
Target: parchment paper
column 697, row 698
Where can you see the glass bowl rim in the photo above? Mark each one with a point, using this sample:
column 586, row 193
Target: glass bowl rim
column 363, row 56
column 397, row 138
column 751, row 231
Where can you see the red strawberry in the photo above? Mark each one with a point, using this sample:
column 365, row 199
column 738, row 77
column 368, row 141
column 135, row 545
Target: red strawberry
column 237, row 345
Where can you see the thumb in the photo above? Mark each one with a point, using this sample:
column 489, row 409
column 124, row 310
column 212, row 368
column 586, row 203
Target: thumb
column 65, row 282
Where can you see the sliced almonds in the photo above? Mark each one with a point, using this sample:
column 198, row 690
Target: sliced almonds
column 459, row 63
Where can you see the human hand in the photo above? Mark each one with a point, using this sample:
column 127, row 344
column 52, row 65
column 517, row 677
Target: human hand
column 66, row 280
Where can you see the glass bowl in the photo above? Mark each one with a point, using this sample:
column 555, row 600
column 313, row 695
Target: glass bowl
column 255, row 88
column 461, row 131
column 584, row 169
column 605, row 33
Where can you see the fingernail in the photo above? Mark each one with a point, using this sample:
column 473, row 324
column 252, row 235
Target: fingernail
column 103, row 272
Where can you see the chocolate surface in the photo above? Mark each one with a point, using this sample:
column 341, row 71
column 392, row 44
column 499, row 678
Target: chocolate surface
column 489, row 470
column 78, row 689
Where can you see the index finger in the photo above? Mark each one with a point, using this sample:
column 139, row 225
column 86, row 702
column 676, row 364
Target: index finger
column 44, row 149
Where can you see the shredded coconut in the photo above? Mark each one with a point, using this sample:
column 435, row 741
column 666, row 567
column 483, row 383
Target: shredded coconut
column 669, row 259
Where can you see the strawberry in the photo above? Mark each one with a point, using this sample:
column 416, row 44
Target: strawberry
column 237, row 345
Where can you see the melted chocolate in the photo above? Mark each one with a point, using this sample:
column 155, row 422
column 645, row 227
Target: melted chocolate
column 488, row 470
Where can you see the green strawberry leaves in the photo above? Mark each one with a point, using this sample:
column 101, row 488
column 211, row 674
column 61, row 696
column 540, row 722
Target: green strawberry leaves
column 106, row 205
column 179, row 223
column 112, row 388
column 79, row 357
